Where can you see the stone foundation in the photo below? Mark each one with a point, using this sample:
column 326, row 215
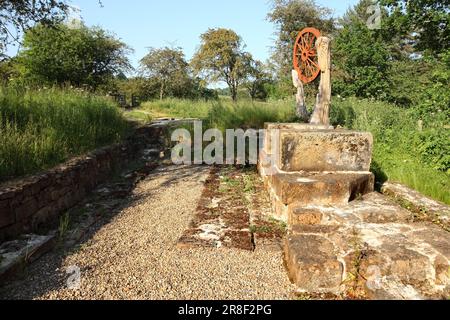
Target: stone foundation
column 343, row 238
column 306, row 164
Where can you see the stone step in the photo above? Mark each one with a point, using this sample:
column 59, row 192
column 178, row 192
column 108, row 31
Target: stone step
column 321, row 188
column 312, row 264
column 16, row 254
column 305, row 216
column 368, row 249
column 370, row 208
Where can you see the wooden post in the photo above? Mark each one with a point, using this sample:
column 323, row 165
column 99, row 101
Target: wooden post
column 301, row 110
column 321, row 115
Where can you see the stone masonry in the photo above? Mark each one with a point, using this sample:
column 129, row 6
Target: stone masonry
column 345, row 239
column 27, row 205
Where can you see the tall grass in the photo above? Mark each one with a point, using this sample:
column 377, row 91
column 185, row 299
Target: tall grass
column 178, row 108
column 223, row 113
column 397, row 154
column 39, row 129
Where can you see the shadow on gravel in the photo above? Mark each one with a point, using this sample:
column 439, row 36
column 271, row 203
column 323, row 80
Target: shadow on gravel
column 49, row 274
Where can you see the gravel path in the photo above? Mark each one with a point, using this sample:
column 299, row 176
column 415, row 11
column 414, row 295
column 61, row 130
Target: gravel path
column 134, row 256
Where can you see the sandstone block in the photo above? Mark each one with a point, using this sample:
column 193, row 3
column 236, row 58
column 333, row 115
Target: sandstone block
column 305, row 216
column 312, row 264
column 27, row 209
column 324, row 150
column 322, row 188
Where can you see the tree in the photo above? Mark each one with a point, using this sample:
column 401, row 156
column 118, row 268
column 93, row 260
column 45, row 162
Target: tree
column 144, row 88
column 361, row 57
column 80, row 56
column 221, row 57
column 169, row 67
column 257, row 79
column 8, row 70
column 18, row 15
column 290, row 17
column 426, row 22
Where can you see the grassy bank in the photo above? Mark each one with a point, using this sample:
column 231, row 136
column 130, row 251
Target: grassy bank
column 222, row 114
column 403, row 152
column 39, row 129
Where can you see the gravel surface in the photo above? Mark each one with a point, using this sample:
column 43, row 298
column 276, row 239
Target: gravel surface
column 134, row 255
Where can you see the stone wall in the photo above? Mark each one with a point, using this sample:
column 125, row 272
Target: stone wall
column 35, row 202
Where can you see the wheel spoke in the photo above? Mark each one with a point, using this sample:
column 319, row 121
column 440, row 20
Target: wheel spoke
column 307, row 40
column 307, row 70
column 313, row 63
column 311, row 41
column 303, row 42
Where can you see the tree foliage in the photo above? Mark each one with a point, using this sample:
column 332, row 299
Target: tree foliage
column 425, row 22
column 80, row 56
column 290, row 17
column 221, row 57
column 168, row 67
column 360, row 56
column 18, row 15
column 258, row 78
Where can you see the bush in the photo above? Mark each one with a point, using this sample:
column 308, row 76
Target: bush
column 434, row 148
column 403, row 152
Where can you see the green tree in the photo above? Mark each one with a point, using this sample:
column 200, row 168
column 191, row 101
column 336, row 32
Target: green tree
column 18, row 15
column 360, row 56
column 257, row 79
column 290, row 17
column 144, row 88
column 80, row 56
column 169, row 68
column 9, row 69
column 221, row 57
column 424, row 22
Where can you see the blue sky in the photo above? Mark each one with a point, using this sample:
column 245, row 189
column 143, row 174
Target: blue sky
column 157, row 23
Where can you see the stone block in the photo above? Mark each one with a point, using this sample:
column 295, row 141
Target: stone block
column 324, row 150
column 321, row 188
column 305, row 216
column 7, row 194
column 312, row 264
column 7, row 216
column 272, row 128
column 28, row 208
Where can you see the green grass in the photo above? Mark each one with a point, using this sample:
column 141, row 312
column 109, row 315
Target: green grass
column 398, row 154
column 177, row 108
column 139, row 115
column 223, row 114
column 39, row 129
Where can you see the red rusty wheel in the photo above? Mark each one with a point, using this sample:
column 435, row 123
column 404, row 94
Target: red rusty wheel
column 305, row 55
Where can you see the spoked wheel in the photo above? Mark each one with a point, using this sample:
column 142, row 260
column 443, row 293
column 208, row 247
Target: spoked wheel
column 306, row 62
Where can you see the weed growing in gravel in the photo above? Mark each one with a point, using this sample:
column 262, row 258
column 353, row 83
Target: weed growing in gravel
column 249, row 183
column 261, row 229
column 64, row 222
